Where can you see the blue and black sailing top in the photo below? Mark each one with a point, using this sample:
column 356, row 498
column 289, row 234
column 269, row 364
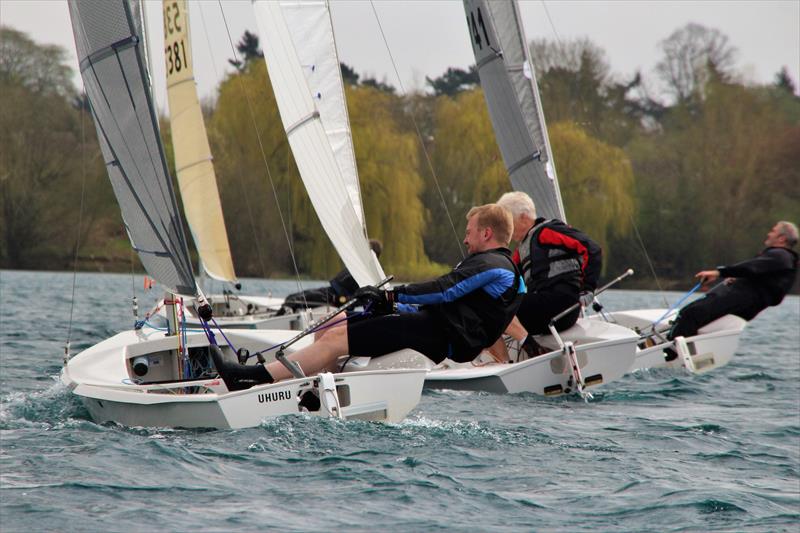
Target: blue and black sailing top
column 476, row 300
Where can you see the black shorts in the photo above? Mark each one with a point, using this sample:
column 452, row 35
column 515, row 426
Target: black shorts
column 538, row 308
column 423, row 331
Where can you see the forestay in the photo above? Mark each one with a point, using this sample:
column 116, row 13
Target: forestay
column 311, row 148
column 112, row 67
column 193, row 161
column 509, row 85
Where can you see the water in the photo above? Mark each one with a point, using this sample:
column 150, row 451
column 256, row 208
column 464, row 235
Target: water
column 657, row 450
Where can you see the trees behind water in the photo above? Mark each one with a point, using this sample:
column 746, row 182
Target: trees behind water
column 699, row 176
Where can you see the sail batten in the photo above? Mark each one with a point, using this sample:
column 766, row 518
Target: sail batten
column 509, row 86
column 193, row 161
column 118, row 92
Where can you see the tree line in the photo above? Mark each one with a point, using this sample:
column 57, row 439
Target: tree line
column 688, row 179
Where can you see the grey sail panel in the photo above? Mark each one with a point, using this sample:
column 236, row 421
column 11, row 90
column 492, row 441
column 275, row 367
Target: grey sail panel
column 112, row 67
column 512, row 97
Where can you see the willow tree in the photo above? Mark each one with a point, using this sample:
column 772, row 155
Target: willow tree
column 391, row 186
column 251, row 156
column 468, row 166
column 596, row 182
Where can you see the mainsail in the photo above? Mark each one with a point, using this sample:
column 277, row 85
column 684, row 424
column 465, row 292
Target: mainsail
column 311, row 28
column 193, row 161
column 112, row 67
column 509, row 85
column 312, row 150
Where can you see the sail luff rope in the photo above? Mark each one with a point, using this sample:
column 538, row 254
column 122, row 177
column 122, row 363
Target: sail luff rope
column 264, row 159
column 419, row 133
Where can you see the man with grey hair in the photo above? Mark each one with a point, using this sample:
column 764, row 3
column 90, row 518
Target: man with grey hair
column 561, row 266
column 749, row 287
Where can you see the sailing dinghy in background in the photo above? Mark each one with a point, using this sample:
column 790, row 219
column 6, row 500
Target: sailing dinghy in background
column 139, row 378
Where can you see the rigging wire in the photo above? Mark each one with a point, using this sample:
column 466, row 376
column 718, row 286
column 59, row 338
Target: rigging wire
column 419, row 133
column 240, row 180
column 78, row 236
column 264, row 159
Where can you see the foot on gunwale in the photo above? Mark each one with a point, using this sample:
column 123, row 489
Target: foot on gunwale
column 239, row 377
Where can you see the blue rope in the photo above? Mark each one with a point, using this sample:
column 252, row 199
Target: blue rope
column 679, row 302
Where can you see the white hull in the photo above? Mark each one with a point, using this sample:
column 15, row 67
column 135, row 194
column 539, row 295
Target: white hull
column 103, row 377
column 713, row 347
column 605, row 353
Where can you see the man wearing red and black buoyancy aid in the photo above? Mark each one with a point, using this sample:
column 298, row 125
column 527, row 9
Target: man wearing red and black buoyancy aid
column 559, row 263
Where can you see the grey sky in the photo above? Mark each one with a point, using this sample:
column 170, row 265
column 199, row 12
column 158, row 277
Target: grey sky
column 426, row 37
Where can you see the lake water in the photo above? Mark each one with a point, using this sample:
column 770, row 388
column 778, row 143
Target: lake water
column 656, row 451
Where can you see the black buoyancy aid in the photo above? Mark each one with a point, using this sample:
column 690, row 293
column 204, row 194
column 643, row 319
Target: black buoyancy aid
column 547, row 265
column 477, row 320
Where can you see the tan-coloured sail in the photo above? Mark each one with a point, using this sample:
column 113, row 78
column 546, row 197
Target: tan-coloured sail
column 193, row 161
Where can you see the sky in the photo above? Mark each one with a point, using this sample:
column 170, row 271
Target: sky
column 427, row 37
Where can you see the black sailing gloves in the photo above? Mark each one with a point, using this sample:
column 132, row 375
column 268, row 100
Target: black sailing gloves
column 380, row 301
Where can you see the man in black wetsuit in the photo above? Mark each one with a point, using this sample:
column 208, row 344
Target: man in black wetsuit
column 749, row 287
column 341, row 288
column 561, row 266
column 456, row 315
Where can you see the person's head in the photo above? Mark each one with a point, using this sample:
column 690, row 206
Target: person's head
column 783, row 235
column 376, row 247
column 488, row 226
column 523, row 211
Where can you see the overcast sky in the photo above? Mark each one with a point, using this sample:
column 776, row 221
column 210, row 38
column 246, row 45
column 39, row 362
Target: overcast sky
column 426, row 37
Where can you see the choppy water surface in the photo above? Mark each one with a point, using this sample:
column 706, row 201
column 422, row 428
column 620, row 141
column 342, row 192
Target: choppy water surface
column 657, row 451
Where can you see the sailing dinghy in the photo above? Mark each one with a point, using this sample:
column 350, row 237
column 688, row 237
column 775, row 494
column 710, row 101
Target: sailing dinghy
column 168, row 379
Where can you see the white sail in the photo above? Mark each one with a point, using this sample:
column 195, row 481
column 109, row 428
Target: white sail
column 193, row 161
column 512, row 96
column 312, row 151
column 111, row 60
column 311, row 28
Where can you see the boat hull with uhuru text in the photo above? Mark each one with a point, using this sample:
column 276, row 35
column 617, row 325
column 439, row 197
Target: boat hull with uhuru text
column 134, row 379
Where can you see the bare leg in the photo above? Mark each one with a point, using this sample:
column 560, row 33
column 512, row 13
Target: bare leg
column 516, row 330
column 338, row 318
column 314, row 358
column 499, row 351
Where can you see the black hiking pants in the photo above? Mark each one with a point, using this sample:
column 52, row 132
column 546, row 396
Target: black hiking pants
column 720, row 301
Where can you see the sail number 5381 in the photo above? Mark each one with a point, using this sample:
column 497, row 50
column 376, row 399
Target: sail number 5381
column 175, row 53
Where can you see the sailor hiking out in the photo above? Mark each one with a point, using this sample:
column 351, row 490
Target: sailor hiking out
column 456, row 315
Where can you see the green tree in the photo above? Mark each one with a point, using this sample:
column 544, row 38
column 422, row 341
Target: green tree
column 454, row 81
column 596, row 182
column 469, row 170
column 387, row 159
column 44, row 161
